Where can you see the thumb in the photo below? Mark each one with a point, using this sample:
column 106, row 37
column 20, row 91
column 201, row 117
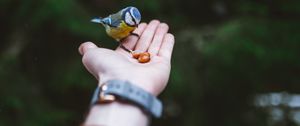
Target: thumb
column 84, row 47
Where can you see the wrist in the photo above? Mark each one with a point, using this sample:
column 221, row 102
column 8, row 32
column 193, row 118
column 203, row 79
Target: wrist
column 125, row 91
column 116, row 114
column 145, row 84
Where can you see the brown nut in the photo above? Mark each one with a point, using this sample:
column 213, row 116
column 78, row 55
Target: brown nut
column 135, row 55
column 146, row 54
column 144, row 57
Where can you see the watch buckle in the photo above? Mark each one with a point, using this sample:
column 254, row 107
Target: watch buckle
column 105, row 98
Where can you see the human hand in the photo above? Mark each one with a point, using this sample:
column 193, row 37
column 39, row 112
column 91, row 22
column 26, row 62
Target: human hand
column 106, row 64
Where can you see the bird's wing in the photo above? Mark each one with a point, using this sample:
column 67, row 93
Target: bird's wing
column 116, row 19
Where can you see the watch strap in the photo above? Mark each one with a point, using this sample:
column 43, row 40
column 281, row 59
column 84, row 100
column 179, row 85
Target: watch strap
column 124, row 90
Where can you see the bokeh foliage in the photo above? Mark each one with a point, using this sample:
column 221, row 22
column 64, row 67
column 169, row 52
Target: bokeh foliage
column 226, row 52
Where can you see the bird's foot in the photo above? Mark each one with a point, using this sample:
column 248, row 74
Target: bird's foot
column 127, row 50
column 135, row 34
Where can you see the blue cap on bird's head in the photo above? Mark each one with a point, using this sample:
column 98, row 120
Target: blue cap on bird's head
column 131, row 16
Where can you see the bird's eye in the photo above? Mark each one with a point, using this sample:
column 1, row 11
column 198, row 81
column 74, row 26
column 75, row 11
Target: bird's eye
column 129, row 20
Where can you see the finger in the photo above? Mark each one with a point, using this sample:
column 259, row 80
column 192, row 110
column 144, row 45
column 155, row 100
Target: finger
column 131, row 40
column 147, row 36
column 84, row 47
column 167, row 46
column 158, row 38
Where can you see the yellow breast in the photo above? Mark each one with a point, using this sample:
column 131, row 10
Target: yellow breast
column 120, row 32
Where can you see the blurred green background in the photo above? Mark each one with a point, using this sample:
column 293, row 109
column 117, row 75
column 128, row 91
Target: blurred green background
column 235, row 63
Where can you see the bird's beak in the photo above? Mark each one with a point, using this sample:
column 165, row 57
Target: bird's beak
column 96, row 20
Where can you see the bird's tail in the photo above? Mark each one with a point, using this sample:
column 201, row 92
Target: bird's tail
column 97, row 20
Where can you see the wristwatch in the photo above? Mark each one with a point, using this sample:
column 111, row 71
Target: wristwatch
column 125, row 91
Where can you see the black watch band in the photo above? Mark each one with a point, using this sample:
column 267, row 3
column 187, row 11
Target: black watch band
column 124, row 90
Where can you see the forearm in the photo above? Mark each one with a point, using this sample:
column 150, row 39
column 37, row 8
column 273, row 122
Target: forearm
column 116, row 114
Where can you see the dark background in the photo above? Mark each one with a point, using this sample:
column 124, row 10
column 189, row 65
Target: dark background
column 235, row 62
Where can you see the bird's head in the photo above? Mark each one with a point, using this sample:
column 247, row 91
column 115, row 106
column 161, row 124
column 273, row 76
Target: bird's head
column 131, row 16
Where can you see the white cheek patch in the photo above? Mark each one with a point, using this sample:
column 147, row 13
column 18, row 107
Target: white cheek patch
column 128, row 19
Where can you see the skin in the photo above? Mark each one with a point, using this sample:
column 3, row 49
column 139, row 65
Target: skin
column 106, row 64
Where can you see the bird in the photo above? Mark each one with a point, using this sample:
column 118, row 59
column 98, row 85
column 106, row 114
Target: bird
column 121, row 24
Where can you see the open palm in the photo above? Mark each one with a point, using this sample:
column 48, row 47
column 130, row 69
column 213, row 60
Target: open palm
column 153, row 76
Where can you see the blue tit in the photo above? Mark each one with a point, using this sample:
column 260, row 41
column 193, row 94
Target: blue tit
column 121, row 24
